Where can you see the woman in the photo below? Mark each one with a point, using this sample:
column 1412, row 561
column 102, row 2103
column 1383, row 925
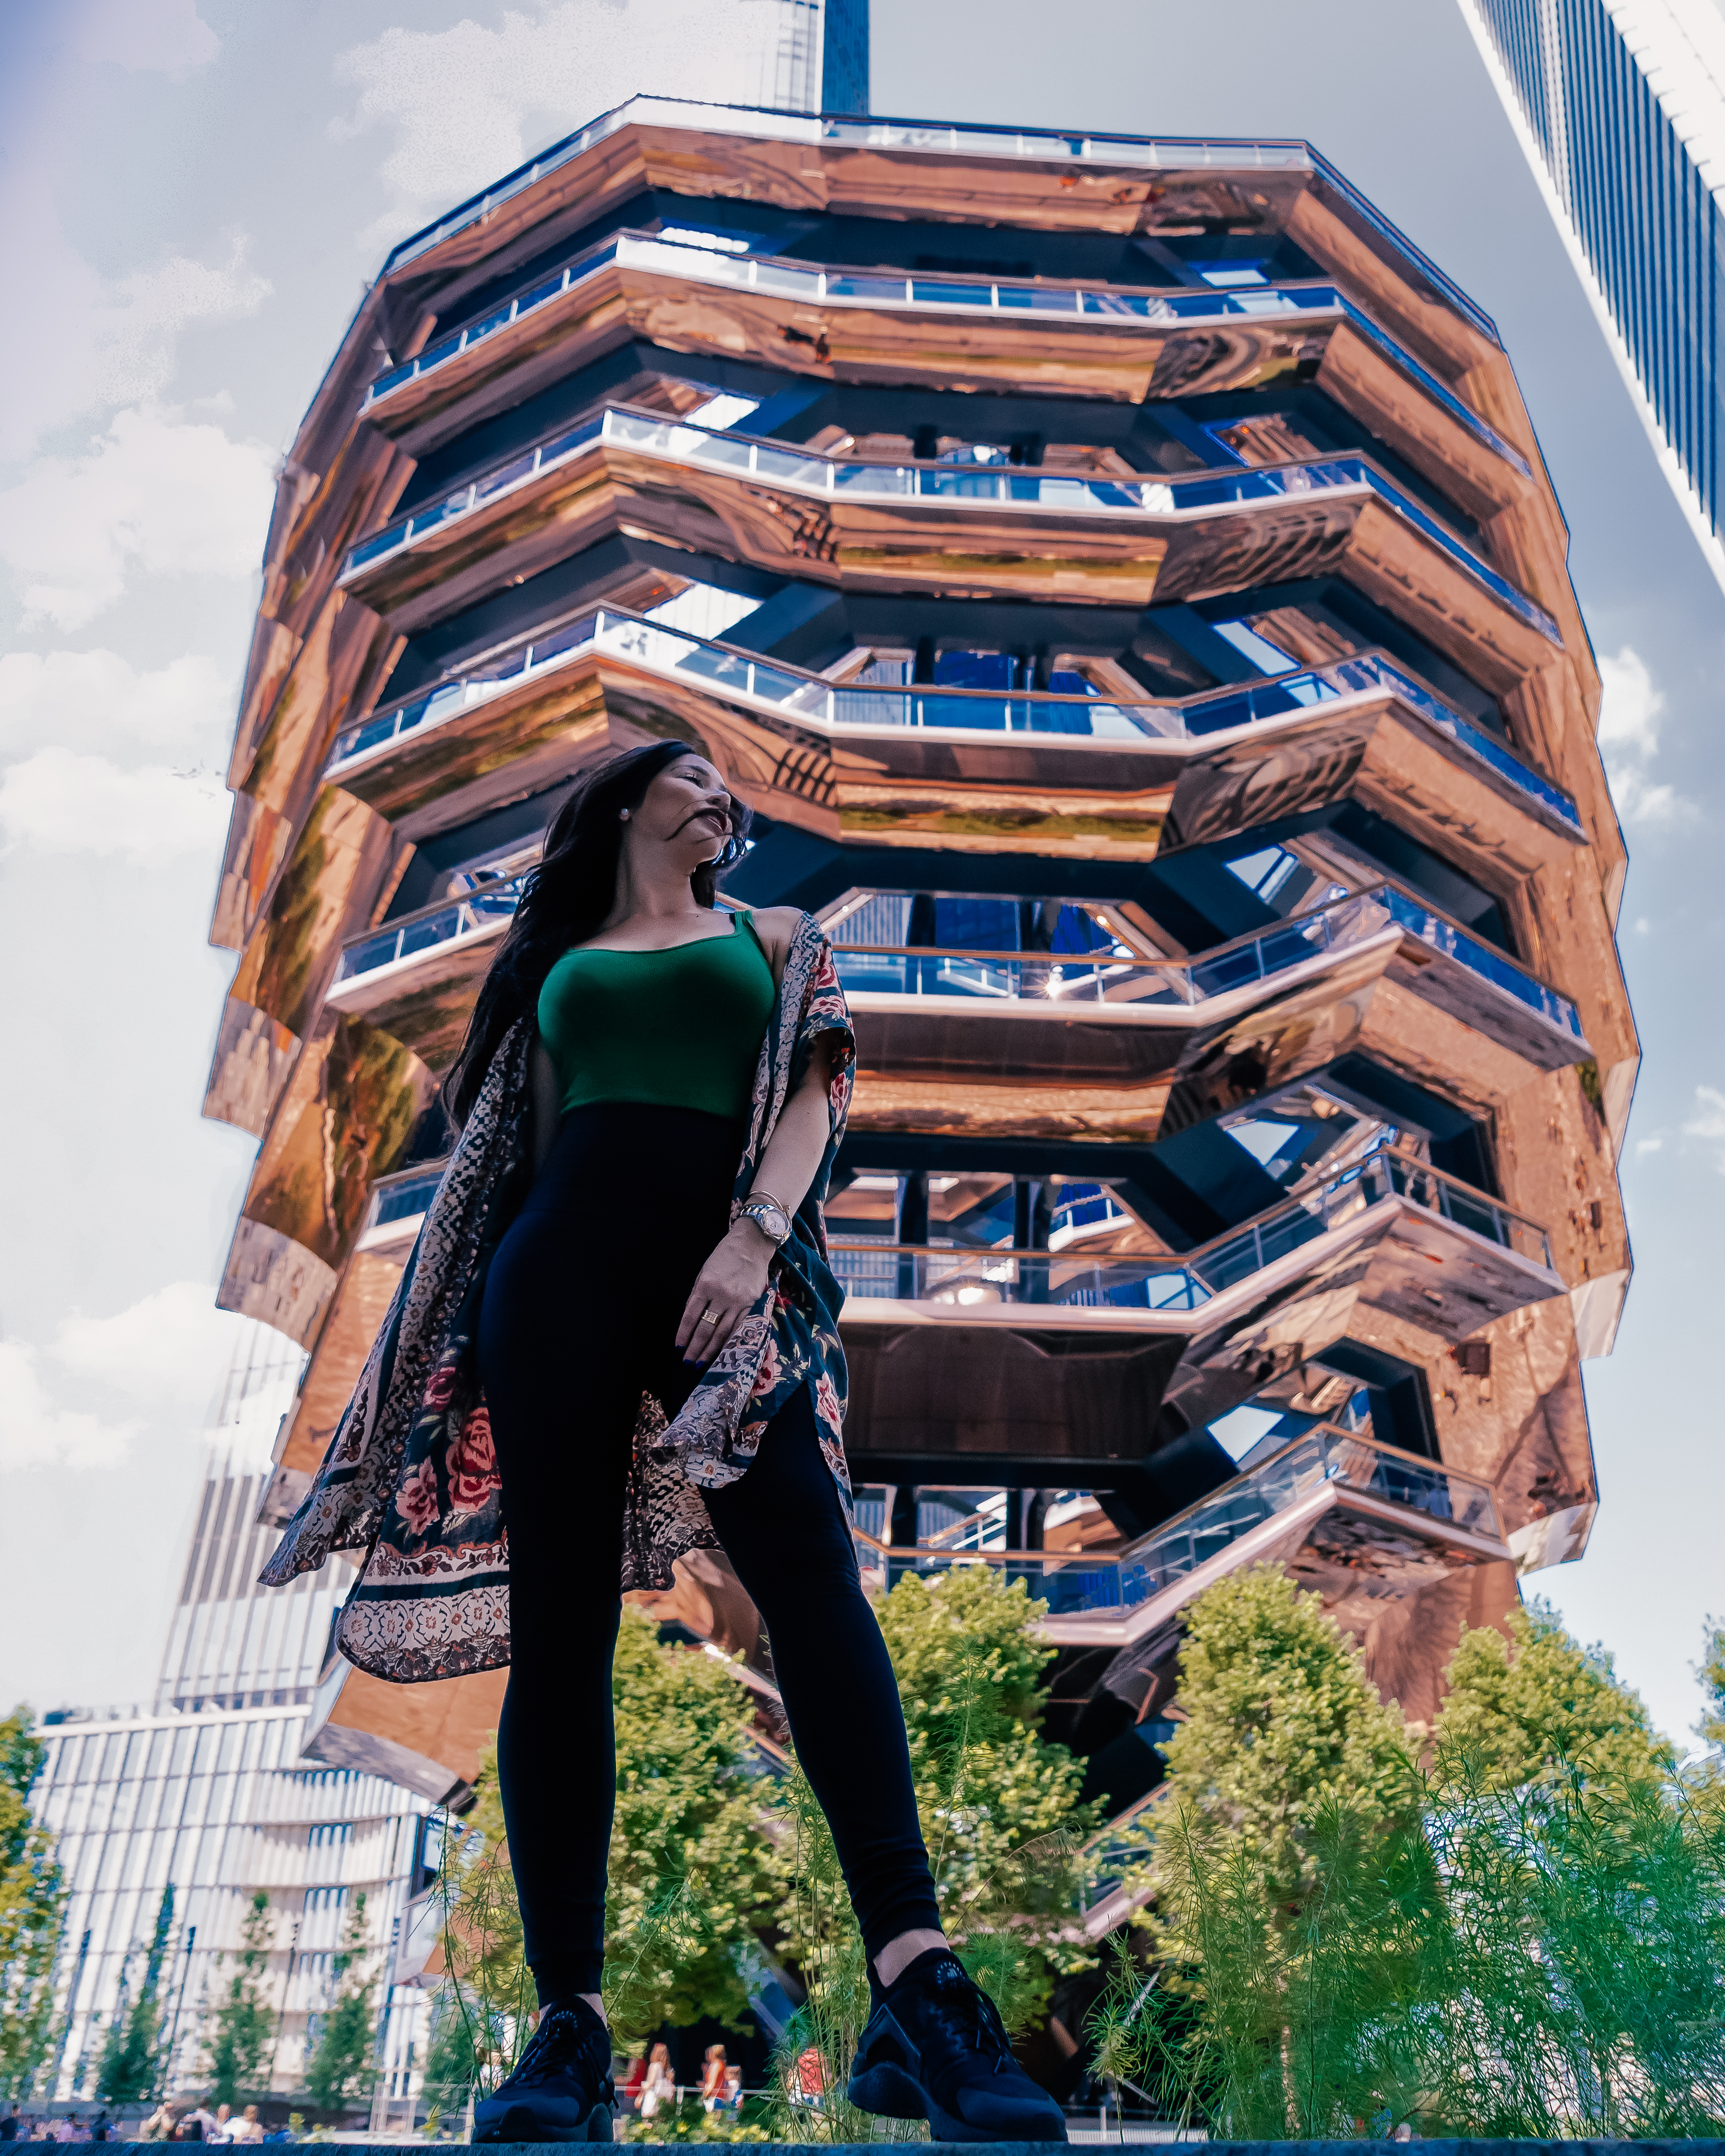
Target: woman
column 618, row 1330
column 712, row 2079
column 660, row 2087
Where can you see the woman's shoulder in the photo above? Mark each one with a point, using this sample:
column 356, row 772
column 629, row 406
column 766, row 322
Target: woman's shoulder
column 776, row 926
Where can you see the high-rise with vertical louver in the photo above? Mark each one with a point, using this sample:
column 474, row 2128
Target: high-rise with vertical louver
column 1120, row 576
column 1619, row 107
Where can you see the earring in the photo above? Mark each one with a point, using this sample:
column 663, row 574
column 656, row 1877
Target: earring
column 623, row 815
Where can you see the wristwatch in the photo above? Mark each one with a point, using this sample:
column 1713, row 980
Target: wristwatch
column 771, row 1218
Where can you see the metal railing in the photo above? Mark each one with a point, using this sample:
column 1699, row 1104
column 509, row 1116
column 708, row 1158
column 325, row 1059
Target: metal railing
column 489, row 909
column 1089, row 1583
column 1125, row 983
column 982, row 1276
column 1121, row 983
column 847, row 287
column 961, row 485
column 404, row 1196
column 1143, row 152
column 729, row 672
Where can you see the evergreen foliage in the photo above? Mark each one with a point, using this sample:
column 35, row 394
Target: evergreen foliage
column 1518, row 1706
column 1524, row 1939
column 1295, row 1897
column 33, row 1913
column 244, row 2025
column 339, row 2071
column 130, row 2061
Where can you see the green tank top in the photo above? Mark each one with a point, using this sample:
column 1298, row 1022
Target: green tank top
column 675, row 1028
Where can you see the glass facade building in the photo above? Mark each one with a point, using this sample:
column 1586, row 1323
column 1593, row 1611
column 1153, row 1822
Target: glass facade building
column 202, row 1797
column 1619, row 107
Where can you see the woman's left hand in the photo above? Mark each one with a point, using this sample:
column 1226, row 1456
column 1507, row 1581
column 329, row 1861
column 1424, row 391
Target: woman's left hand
column 728, row 1284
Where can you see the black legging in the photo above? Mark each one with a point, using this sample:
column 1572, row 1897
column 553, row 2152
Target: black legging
column 581, row 1311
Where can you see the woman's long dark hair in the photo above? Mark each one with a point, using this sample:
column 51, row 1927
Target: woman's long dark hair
column 565, row 901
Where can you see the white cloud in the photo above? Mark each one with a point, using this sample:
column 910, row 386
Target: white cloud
column 137, row 340
column 1707, row 1123
column 157, row 1357
column 1629, row 737
column 1649, row 1144
column 155, row 494
column 162, row 1352
column 58, row 802
column 165, row 37
column 92, row 344
column 461, row 99
column 95, row 700
column 35, row 1432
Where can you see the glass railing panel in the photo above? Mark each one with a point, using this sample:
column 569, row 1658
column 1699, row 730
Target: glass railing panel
column 967, row 709
column 404, row 1197
column 689, row 258
column 876, row 291
column 1439, row 934
column 1102, row 1583
column 1214, row 490
column 366, row 956
column 426, row 931
column 982, row 1277
column 1466, row 1207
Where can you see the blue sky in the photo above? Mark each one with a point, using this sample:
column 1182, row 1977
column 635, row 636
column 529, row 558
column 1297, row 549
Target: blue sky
column 194, row 196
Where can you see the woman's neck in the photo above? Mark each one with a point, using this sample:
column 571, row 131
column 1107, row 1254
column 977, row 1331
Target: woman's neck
column 651, row 898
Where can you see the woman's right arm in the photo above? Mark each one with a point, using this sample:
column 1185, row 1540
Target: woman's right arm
column 547, row 1101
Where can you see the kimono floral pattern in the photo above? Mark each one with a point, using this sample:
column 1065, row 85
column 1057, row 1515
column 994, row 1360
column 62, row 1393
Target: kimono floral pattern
column 411, row 1475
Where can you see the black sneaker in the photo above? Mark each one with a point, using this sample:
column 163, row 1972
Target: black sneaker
column 561, row 2090
column 935, row 2049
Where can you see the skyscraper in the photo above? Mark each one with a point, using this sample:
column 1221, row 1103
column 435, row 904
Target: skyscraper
column 189, row 1805
column 1619, row 107
column 1120, row 577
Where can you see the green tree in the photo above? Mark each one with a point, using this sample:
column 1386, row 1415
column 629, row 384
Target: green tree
column 1518, row 1705
column 33, row 1913
column 340, row 2070
column 244, row 2026
column 129, row 2063
column 1280, row 1716
column 1295, row 1896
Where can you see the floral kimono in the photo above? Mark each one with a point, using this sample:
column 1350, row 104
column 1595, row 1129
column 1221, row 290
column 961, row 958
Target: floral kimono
column 411, row 1476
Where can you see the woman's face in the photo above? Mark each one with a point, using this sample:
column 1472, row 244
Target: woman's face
column 687, row 810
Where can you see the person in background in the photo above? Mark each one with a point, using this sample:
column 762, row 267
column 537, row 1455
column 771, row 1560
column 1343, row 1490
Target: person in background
column 809, row 2079
column 248, row 2127
column 222, row 2130
column 159, row 2125
column 661, row 2087
column 731, row 2100
column 712, row 2080
column 630, row 2096
column 101, row 2127
column 10, row 2125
